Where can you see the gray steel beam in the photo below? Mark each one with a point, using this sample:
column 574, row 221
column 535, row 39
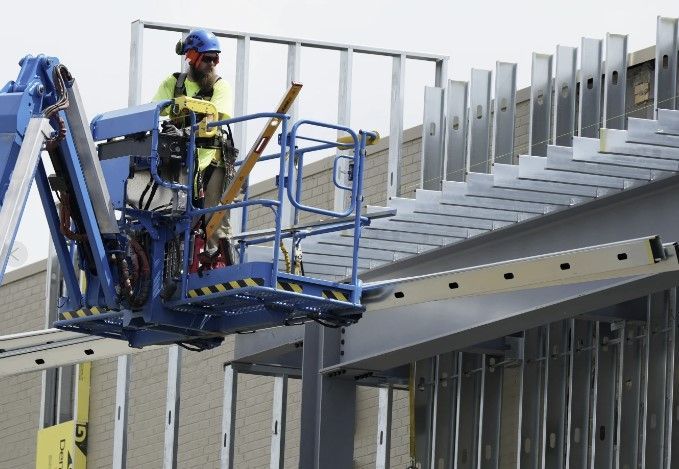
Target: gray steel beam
column 226, row 460
column 579, row 388
column 344, row 118
column 383, row 456
column 615, row 85
column 371, row 343
column 278, row 422
column 174, row 372
column 604, row 396
column 504, row 110
column 398, row 71
column 479, row 122
column 665, row 89
column 531, row 399
column 328, row 403
column 540, row 104
column 433, row 138
column 441, row 72
column 564, row 103
column 557, row 372
column 589, row 116
column 456, row 129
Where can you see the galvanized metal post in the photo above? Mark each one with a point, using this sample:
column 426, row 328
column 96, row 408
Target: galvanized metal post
column 445, row 412
column 491, row 410
column 589, row 117
column 469, row 411
column 564, row 102
column 293, row 74
column 503, row 113
column 398, row 72
column 424, row 389
column 229, row 417
column 456, row 130
column 240, row 131
column 540, row 104
column 479, row 122
column 384, row 410
column 615, row 87
column 432, row 139
column 556, row 366
column 344, row 118
column 629, row 389
column 136, row 61
column 603, row 396
column 174, row 371
column 278, row 422
column 579, row 388
column 665, row 88
column 531, row 399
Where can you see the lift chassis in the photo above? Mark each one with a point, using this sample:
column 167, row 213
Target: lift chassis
column 129, row 235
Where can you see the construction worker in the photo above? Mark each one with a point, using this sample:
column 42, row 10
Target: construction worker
column 215, row 156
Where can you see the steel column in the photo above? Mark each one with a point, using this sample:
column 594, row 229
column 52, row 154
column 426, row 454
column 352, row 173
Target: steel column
column 382, row 458
column 556, row 367
column 479, row 122
column 344, row 118
column 589, row 117
column 540, row 104
column 491, row 409
column 656, row 375
column 456, row 131
column 446, row 405
column 424, row 400
column 120, row 426
column 564, row 104
column 229, row 417
column 604, row 396
column 240, row 131
column 504, row 110
column 469, row 410
column 174, row 372
column 441, row 73
column 136, row 61
column 398, row 71
column 615, row 85
column 293, row 74
column 432, row 139
column 629, row 388
column 673, row 384
column 665, row 89
column 278, row 422
column 579, row 393
column 531, row 424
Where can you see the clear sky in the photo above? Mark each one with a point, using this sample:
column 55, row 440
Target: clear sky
column 92, row 39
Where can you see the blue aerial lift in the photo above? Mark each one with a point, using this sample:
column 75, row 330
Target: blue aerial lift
column 145, row 279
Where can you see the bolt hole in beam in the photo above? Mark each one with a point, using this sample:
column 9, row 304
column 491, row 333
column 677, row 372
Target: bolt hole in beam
column 399, row 294
column 590, row 83
column 40, row 361
column 565, row 266
column 614, row 77
column 622, row 256
column 509, row 276
column 503, row 105
column 89, row 351
column 665, row 61
column 453, row 285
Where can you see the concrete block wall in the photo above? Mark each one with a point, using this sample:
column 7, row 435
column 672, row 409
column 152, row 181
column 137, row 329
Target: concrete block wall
column 22, row 309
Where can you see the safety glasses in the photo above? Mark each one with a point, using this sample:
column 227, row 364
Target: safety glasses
column 210, row 58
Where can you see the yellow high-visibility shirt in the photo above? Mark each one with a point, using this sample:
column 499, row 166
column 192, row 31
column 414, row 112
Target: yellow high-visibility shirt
column 222, row 97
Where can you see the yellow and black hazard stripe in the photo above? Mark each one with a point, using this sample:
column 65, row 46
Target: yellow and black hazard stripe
column 335, row 295
column 222, row 287
column 289, row 286
column 83, row 312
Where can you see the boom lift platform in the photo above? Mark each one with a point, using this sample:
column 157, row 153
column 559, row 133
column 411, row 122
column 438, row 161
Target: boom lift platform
column 147, row 278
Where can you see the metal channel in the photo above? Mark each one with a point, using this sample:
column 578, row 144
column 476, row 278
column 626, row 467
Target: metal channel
column 424, row 388
column 540, row 104
column 432, row 139
column 49, row 377
column 504, row 111
column 382, row 458
column 136, row 62
column 121, row 413
column 479, row 122
column 293, row 75
column 398, row 72
column 240, row 131
column 615, row 84
column 604, row 395
column 229, row 418
column 469, row 411
column 666, row 63
column 456, row 129
column 556, row 365
column 344, row 118
column 672, row 453
column 278, row 422
column 656, row 372
column 446, row 405
column 579, row 388
column 629, row 389
column 531, row 424
column 589, row 117
column 491, row 406
column 564, row 104
column 174, row 372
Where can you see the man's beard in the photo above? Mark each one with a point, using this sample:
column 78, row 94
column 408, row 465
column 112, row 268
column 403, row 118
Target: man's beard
column 203, row 79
